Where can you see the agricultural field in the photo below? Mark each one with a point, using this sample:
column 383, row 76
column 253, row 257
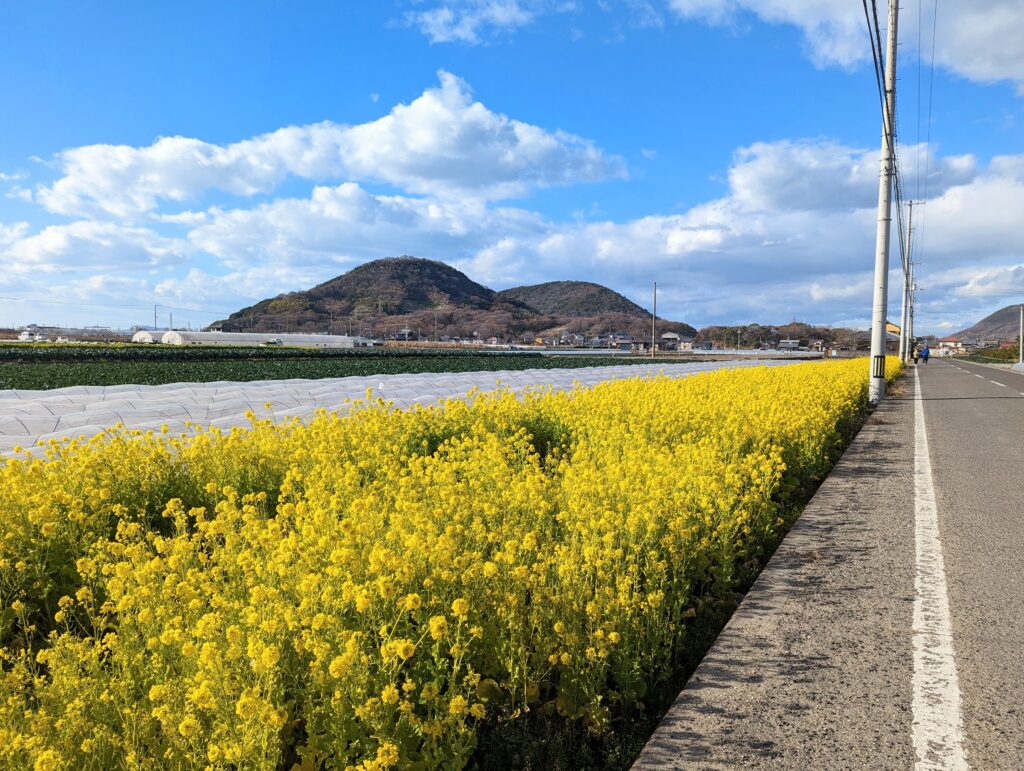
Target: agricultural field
column 436, row 587
column 38, row 367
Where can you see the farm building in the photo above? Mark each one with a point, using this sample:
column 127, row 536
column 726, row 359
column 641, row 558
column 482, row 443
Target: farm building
column 180, row 337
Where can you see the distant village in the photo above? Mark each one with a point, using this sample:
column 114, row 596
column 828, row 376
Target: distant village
column 614, row 340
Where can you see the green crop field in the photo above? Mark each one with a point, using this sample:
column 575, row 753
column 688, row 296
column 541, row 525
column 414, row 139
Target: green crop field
column 39, row 367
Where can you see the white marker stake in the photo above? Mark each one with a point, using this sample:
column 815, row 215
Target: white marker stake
column 938, row 724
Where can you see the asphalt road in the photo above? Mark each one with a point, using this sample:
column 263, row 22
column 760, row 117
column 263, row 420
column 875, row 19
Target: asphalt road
column 975, row 420
column 888, row 629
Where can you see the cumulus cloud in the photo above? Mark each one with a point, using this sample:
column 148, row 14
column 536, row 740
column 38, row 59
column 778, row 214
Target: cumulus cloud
column 980, row 40
column 442, row 143
column 93, row 245
column 819, row 174
column 12, row 233
column 346, row 224
column 793, row 236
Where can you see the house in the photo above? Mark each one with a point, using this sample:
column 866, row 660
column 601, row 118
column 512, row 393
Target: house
column 789, row 344
column 892, row 342
column 669, row 341
column 951, row 343
column 33, row 333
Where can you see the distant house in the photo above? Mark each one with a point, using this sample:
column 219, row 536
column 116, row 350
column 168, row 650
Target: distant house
column 951, row 343
column 892, row 342
column 892, row 329
column 789, row 344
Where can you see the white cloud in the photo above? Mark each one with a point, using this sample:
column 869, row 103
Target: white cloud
column 345, row 225
column 472, row 21
column 91, row 245
column 11, row 234
column 792, row 236
column 980, row 40
column 230, row 291
column 17, row 193
column 442, row 143
column 819, row 174
column 1003, row 281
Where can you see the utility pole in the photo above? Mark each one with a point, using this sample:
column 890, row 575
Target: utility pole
column 654, row 318
column 910, row 310
column 876, row 385
column 154, row 317
column 905, row 306
column 1020, row 341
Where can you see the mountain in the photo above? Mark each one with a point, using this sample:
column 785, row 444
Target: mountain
column 1004, row 324
column 572, row 298
column 436, row 300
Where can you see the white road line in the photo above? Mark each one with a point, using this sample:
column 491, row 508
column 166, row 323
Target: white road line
column 938, row 724
column 1001, row 385
column 977, row 375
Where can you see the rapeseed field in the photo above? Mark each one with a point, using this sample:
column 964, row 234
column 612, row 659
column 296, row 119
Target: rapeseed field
column 371, row 590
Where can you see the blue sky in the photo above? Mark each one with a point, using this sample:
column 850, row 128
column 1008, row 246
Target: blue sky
column 726, row 148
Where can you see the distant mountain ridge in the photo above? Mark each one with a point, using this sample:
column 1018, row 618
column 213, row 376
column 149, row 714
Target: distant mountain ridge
column 1004, row 324
column 572, row 298
column 434, row 299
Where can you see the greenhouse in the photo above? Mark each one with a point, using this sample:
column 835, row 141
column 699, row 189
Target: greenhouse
column 182, row 337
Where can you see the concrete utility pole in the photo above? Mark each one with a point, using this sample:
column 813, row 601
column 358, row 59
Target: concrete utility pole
column 1020, row 341
column 876, row 387
column 911, row 299
column 905, row 307
column 654, row 318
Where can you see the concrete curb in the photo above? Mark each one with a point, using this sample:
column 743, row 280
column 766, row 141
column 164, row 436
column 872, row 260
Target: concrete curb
column 814, row 668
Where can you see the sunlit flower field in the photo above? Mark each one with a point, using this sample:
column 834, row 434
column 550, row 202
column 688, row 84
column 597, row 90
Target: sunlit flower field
column 368, row 590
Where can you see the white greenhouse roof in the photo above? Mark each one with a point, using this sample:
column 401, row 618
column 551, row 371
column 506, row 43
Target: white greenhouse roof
column 28, row 416
column 182, row 337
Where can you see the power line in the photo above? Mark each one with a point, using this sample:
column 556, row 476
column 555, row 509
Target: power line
column 928, row 140
column 878, row 58
column 875, row 36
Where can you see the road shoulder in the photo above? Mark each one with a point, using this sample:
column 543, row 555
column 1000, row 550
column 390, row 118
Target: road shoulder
column 814, row 669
